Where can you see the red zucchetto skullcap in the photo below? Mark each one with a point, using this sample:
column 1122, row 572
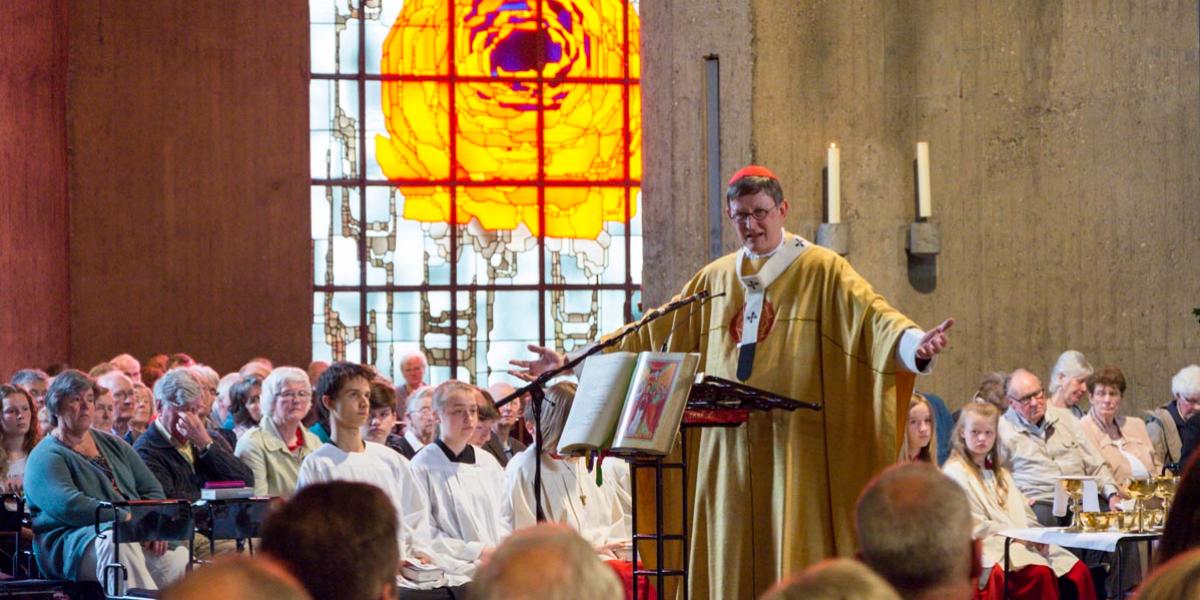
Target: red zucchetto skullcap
column 752, row 170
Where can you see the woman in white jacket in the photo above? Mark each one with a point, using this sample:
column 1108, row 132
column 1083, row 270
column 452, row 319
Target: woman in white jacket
column 980, row 466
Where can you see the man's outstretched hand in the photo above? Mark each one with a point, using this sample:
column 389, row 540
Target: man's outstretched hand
column 546, row 359
column 935, row 340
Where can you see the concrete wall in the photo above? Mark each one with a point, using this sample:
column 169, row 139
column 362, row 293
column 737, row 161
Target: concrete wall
column 33, row 193
column 1064, row 138
column 187, row 125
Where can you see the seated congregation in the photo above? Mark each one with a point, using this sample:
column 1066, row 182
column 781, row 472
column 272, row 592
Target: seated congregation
column 416, row 491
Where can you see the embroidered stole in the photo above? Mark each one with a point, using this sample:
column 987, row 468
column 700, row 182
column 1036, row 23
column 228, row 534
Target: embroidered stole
column 755, row 287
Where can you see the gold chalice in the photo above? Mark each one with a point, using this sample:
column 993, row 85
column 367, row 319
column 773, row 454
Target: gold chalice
column 1125, row 520
column 1074, row 489
column 1155, row 517
column 1140, row 489
column 1165, row 486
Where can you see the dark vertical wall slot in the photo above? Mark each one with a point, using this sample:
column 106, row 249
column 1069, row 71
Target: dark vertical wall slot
column 712, row 140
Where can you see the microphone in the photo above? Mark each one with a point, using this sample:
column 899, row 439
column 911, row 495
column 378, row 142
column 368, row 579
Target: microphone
column 677, row 304
column 691, row 301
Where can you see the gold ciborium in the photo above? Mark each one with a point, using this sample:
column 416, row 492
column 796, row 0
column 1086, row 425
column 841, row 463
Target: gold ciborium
column 1140, row 489
column 1096, row 521
column 1074, row 489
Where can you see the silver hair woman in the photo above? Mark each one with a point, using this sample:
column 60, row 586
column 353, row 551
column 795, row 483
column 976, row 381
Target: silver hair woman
column 1068, row 382
column 67, row 478
column 275, row 448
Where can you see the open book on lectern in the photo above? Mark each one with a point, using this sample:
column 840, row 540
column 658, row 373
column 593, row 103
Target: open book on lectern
column 629, row 402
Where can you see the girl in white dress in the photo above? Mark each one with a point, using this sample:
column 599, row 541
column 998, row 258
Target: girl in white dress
column 569, row 491
column 980, row 466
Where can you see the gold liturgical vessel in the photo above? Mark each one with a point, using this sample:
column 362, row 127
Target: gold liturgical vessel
column 1140, row 489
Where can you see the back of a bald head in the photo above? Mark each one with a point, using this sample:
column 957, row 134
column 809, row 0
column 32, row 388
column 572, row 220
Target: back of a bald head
column 914, row 529
column 238, row 578
column 834, row 579
column 545, row 562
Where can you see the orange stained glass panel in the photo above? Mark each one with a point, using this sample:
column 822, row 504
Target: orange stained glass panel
column 517, row 64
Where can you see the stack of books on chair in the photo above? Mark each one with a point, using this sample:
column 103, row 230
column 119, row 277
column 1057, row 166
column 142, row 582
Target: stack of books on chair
column 226, row 490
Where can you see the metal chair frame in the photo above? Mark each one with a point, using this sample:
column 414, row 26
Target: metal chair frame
column 120, row 529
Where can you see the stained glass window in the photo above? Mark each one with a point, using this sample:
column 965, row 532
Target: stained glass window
column 476, row 170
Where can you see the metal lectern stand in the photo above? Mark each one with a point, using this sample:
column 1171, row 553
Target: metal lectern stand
column 713, row 402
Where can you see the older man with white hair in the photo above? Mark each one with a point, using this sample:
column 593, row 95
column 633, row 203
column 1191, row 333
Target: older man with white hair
column 178, row 448
column 1174, row 427
column 422, row 422
column 210, row 383
column 124, row 404
column 1068, row 382
column 128, row 365
column 413, row 367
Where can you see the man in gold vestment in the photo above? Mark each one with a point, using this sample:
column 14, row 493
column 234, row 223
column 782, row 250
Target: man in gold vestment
column 778, row 493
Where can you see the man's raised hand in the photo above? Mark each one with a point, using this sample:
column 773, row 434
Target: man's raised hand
column 935, row 340
column 546, row 360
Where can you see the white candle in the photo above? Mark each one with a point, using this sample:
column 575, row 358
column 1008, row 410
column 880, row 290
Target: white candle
column 924, row 200
column 833, row 200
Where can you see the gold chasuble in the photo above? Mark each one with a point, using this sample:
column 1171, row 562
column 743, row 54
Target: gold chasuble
column 777, row 494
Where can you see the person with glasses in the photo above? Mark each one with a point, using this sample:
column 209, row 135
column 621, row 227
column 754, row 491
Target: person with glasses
column 69, row 474
column 124, row 404
column 275, row 448
column 178, row 447
column 1047, row 444
column 422, row 422
column 794, row 319
column 35, row 382
column 1174, row 427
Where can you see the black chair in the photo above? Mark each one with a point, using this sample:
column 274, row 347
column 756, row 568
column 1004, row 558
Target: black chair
column 150, row 521
column 12, row 519
column 236, row 519
column 27, row 582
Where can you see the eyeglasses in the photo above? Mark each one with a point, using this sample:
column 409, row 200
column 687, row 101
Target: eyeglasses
column 294, row 395
column 759, row 214
column 1038, row 395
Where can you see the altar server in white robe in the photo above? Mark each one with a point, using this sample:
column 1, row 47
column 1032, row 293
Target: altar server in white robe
column 979, row 464
column 570, row 494
column 345, row 390
column 464, row 484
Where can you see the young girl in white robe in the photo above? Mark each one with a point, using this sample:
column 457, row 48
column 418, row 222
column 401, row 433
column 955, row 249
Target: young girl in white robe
column 570, row 494
column 980, row 466
column 463, row 483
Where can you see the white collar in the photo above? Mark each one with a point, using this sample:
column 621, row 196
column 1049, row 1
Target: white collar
column 412, row 440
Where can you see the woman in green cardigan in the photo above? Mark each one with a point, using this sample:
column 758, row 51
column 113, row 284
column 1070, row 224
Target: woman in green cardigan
column 69, row 474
